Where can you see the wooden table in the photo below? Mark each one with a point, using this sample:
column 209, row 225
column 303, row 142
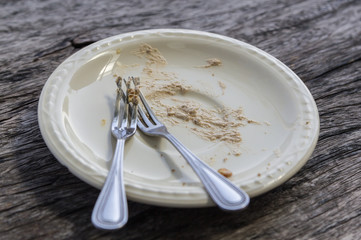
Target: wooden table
column 319, row 40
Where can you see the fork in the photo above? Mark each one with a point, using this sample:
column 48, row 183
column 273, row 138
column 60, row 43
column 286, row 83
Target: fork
column 111, row 208
column 222, row 191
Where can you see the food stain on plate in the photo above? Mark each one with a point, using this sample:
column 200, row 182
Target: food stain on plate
column 177, row 103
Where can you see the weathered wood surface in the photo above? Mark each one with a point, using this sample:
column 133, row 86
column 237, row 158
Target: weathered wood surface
column 319, row 40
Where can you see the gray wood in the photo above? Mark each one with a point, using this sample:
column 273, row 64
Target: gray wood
column 319, row 40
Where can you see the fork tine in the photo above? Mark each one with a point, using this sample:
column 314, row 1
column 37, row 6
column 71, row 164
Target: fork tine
column 148, row 109
column 144, row 117
column 119, row 110
column 133, row 115
column 132, row 106
column 141, row 125
column 115, row 122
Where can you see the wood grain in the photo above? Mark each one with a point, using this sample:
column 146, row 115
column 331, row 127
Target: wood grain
column 319, row 40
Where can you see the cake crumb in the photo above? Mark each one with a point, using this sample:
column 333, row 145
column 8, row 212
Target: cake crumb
column 236, row 153
column 212, row 62
column 118, row 51
column 222, row 86
column 103, row 122
column 150, row 53
column 225, row 172
column 252, row 122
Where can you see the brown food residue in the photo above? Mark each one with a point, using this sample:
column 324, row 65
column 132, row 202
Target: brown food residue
column 155, row 74
column 215, row 124
column 166, row 90
column 211, row 124
column 103, row 122
column 132, row 89
column 212, row 62
column 225, row 172
column 222, row 86
column 133, row 95
column 150, row 53
column 163, row 90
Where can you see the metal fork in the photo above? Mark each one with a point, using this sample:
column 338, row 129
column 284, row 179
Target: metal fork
column 222, row 191
column 111, row 208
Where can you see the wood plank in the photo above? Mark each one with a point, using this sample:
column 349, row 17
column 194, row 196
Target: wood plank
column 319, row 40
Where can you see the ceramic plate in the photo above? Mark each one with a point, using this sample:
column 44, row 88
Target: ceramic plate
column 275, row 132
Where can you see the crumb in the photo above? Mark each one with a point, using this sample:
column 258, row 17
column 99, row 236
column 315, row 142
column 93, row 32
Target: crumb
column 150, row 53
column 118, row 51
column 118, row 81
column 133, row 93
column 258, row 174
column 103, row 122
column 252, row 122
column 277, row 152
column 213, row 62
column 225, row 159
column 225, row 172
column 173, row 170
column 222, row 86
column 236, row 153
column 183, row 183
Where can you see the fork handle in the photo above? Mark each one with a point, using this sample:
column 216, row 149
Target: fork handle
column 111, row 208
column 222, row 191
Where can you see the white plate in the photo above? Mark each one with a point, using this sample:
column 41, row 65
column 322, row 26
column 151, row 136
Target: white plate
column 76, row 106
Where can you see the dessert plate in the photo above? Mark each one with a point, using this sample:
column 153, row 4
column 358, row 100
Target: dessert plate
column 268, row 122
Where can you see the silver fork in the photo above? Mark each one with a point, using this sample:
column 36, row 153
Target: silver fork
column 222, row 191
column 111, row 209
